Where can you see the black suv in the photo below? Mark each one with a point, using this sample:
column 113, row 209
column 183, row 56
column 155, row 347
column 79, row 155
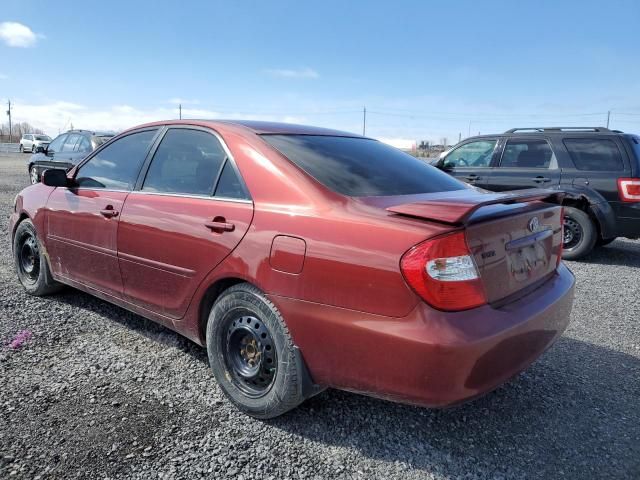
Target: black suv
column 65, row 151
column 597, row 167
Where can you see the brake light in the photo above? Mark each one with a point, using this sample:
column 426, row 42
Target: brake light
column 442, row 271
column 629, row 189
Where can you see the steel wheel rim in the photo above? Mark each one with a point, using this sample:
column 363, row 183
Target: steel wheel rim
column 29, row 258
column 572, row 233
column 34, row 175
column 250, row 355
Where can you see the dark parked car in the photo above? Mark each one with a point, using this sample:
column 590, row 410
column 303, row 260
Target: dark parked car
column 304, row 258
column 599, row 169
column 65, row 151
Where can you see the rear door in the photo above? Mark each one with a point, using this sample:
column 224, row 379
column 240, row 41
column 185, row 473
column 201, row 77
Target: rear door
column 83, row 220
column 524, row 163
column 186, row 215
column 471, row 161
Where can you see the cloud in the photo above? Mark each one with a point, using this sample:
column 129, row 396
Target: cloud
column 183, row 101
column 57, row 116
column 3, row 76
column 16, row 34
column 290, row 73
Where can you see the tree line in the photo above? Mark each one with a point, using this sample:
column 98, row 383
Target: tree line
column 17, row 130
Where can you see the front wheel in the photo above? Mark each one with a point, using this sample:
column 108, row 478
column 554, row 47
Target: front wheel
column 31, row 263
column 579, row 234
column 33, row 175
column 21, row 149
column 252, row 354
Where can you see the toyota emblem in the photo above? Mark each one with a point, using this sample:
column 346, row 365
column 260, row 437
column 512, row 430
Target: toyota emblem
column 533, row 224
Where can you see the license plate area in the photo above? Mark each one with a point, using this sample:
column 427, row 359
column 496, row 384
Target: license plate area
column 528, row 257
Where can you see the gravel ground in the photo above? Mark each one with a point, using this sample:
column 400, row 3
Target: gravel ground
column 98, row 392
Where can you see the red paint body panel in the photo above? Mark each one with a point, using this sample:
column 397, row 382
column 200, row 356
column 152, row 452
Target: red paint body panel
column 166, row 250
column 342, row 296
column 82, row 243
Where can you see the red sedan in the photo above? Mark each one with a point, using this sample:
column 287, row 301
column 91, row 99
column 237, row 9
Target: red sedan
column 305, row 258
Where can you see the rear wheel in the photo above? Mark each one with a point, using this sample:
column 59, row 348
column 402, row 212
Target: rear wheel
column 30, row 262
column 21, row 149
column 579, row 234
column 252, row 354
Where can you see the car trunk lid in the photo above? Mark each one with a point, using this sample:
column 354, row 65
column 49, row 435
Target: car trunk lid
column 515, row 238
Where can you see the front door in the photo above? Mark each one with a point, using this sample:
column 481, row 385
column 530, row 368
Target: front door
column 525, row 163
column 189, row 213
column 470, row 162
column 83, row 220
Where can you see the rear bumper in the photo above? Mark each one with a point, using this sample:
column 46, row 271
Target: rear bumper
column 429, row 358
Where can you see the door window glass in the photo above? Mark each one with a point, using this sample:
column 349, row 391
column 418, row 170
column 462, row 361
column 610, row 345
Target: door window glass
column 187, row 162
column 526, row 154
column 599, row 154
column 56, row 145
column 230, row 185
column 117, row 165
column 70, row 142
column 84, row 145
column 474, row 154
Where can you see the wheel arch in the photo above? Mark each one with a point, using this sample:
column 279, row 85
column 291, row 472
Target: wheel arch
column 600, row 212
column 211, row 294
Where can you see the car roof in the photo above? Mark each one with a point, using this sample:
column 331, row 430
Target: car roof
column 259, row 127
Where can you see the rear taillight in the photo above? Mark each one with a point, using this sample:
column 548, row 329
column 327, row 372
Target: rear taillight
column 629, row 189
column 442, row 271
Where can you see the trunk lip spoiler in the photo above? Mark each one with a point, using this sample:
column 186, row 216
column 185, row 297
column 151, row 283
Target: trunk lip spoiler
column 458, row 211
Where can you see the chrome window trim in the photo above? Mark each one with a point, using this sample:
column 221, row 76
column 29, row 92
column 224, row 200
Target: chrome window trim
column 199, row 197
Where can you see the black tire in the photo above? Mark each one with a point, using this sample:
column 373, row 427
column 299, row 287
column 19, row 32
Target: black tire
column 21, row 149
column 261, row 374
column 30, row 262
column 580, row 234
column 601, row 242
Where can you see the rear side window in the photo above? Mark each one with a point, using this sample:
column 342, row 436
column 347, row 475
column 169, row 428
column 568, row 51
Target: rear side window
column 597, row 154
column 526, row 154
column 117, row 165
column 187, row 162
column 361, row 167
column 230, row 185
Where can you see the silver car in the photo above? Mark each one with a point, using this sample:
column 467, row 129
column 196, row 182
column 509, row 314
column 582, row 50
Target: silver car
column 31, row 141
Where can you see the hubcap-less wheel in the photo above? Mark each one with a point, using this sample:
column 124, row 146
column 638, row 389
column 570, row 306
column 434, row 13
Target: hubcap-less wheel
column 250, row 355
column 29, row 258
column 572, row 233
column 33, row 174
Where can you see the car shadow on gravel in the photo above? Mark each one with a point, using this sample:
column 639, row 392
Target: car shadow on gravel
column 620, row 252
column 574, row 413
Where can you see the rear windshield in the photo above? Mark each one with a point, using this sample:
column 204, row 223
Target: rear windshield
column 360, row 167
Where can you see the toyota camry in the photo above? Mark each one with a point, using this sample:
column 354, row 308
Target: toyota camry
column 304, row 258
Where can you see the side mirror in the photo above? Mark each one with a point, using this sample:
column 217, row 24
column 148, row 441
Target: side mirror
column 54, row 177
column 40, row 149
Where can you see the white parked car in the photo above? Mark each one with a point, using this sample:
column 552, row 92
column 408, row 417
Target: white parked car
column 31, row 141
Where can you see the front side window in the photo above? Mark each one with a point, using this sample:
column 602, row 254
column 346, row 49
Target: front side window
column 360, row 167
column 56, row 145
column 84, row 145
column 598, row 154
column 187, row 162
column 42, row 138
column 526, row 154
column 117, row 165
column 474, row 154
column 70, row 142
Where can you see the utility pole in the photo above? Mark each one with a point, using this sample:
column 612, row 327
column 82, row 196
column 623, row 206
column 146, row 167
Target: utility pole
column 364, row 120
column 180, row 110
column 469, row 132
column 608, row 117
column 459, row 136
column 9, row 113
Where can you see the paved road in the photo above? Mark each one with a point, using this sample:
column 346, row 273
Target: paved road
column 97, row 392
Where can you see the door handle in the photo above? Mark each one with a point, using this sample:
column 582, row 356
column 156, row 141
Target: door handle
column 540, row 179
column 220, row 225
column 472, row 177
column 109, row 212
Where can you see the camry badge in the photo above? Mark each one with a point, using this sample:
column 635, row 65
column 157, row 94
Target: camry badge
column 533, row 224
